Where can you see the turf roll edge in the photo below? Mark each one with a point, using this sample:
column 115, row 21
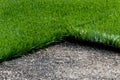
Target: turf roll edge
column 26, row 25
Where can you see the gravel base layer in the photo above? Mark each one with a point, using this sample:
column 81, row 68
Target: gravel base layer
column 64, row 61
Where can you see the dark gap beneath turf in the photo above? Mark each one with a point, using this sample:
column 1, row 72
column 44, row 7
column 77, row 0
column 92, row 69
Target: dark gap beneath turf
column 72, row 40
column 93, row 44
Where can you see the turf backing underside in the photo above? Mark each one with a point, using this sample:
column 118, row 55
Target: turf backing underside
column 31, row 24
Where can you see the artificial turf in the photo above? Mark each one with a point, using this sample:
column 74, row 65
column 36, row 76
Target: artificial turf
column 31, row 24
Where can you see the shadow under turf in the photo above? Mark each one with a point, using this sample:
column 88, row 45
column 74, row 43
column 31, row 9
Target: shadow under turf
column 95, row 45
column 72, row 40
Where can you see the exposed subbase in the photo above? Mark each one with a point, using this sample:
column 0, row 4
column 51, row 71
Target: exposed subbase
column 31, row 24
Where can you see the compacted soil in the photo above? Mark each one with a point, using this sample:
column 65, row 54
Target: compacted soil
column 65, row 61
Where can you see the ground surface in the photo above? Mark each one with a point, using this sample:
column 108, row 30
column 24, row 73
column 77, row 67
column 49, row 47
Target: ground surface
column 64, row 61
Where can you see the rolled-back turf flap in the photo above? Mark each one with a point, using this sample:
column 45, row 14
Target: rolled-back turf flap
column 31, row 24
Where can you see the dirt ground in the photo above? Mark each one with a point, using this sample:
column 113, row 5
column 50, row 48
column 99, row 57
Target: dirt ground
column 65, row 61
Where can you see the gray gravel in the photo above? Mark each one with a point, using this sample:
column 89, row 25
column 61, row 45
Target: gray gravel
column 64, row 61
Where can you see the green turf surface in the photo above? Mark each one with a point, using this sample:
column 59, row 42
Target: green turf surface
column 31, row 24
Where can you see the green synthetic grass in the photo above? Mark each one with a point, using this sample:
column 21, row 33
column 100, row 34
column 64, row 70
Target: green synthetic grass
column 33, row 24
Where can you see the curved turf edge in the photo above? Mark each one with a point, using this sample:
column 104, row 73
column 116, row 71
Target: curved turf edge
column 31, row 24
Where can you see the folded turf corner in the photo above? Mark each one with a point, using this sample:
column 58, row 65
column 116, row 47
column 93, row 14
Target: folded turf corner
column 31, row 24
